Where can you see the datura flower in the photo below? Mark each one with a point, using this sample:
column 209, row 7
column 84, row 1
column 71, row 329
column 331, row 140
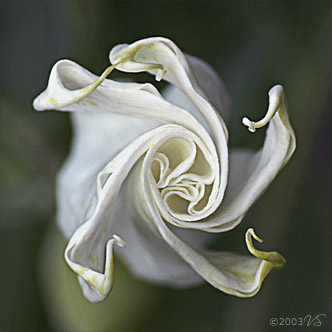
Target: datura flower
column 154, row 174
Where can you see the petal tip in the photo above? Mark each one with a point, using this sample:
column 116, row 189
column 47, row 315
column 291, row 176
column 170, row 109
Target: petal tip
column 254, row 235
column 119, row 242
column 249, row 124
column 277, row 89
column 38, row 104
column 272, row 257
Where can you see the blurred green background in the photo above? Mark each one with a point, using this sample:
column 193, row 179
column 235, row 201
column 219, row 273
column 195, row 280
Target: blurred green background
column 253, row 45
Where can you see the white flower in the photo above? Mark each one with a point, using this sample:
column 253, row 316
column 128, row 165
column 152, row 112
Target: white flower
column 147, row 171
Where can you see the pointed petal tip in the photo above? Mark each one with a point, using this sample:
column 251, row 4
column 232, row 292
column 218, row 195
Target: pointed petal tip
column 277, row 89
column 249, row 124
column 254, row 235
column 119, row 242
column 38, row 103
column 273, row 257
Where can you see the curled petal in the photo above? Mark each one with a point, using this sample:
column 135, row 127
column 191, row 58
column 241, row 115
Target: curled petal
column 95, row 285
column 177, row 71
column 60, row 93
column 251, row 172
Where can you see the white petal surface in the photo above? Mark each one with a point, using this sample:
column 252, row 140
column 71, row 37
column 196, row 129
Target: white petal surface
column 170, row 171
column 97, row 139
column 211, row 85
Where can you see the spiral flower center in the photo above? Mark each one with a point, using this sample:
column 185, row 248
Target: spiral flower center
column 183, row 176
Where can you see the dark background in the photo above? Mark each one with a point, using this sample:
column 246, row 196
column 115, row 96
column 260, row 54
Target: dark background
column 252, row 45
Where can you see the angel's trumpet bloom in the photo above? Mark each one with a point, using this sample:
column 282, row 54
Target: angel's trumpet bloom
column 158, row 175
